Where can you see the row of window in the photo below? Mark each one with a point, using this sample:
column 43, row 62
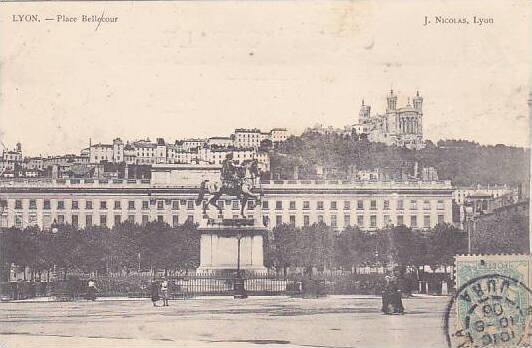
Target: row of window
column 373, row 204
column 320, row 205
column 131, row 205
column 89, row 220
column 360, row 220
column 279, row 219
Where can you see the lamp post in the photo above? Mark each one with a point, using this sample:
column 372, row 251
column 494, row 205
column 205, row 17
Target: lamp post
column 469, row 224
column 240, row 291
column 238, row 237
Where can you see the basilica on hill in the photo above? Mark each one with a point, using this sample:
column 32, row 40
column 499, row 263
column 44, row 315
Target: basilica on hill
column 398, row 126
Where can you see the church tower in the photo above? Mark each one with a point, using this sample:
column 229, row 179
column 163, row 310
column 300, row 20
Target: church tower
column 365, row 113
column 392, row 102
column 418, row 102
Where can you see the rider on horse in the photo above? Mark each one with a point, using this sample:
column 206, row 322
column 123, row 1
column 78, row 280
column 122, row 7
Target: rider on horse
column 229, row 175
column 236, row 180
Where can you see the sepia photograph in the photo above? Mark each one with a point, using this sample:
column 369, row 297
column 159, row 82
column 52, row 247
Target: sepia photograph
column 332, row 174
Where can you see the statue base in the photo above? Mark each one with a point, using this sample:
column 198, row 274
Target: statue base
column 223, row 240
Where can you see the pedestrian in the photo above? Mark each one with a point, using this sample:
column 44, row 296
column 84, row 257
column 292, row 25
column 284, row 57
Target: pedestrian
column 396, row 297
column 164, row 291
column 392, row 302
column 92, row 290
column 154, row 293
column 386, row 295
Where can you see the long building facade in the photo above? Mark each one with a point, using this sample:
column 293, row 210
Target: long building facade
column 85, row 202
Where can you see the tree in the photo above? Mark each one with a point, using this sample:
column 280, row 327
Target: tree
column 444, row 242
column 44, row 257
column 64, row 248
column 266, row 145
column 463, row 162
column 315, row 247
column 187, row 239
column 399, row 245
column 354, row 247
column 284, row 246
column 169, row 248
column 504, row 231
column 8, row 249
column 25, row 247
column 124, row 245
column 155, row 244
column 92, row 250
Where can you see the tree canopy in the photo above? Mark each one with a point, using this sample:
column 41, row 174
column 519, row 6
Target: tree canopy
column 320, row 246
column 463, row 162
column 125, row 248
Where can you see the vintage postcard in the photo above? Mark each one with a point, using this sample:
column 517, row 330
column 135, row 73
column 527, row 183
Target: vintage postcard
column 265, row 173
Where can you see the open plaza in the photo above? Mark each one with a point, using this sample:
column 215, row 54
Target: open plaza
column 276, row 321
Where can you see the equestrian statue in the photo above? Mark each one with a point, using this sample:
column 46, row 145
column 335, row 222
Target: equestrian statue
column 236, row 181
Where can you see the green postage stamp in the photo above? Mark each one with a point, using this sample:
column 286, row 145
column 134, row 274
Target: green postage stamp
column 492, row 304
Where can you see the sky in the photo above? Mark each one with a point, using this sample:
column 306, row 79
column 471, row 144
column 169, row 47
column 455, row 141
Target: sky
column 195, row 69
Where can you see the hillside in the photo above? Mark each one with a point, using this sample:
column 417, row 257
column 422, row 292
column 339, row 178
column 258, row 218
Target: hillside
column 462, row 162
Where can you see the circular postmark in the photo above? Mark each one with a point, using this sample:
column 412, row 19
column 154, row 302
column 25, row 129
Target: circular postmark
column 489, row 311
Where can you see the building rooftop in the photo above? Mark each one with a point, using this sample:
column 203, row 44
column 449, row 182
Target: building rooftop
column 102, row 145
column 314, row 185
column 407, row 108
column 247, row 130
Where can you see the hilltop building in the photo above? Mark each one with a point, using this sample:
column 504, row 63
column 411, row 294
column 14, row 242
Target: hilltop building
column 397, row 126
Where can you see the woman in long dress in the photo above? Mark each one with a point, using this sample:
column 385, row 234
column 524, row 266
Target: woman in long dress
column 154, row 293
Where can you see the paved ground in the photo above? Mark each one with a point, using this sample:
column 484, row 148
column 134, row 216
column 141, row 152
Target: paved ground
column 335, row 321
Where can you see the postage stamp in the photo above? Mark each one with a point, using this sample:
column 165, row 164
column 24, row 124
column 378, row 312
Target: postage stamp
column 491, row 307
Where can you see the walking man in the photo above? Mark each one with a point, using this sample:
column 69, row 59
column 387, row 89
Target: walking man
column 164, row 291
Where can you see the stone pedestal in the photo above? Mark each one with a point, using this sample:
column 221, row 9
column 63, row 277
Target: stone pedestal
column 219, row 246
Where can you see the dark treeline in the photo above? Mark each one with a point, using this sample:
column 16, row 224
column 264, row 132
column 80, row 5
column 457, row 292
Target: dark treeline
column 126, row 247
column 157, row 246
column 463, row 162
column 319, row 246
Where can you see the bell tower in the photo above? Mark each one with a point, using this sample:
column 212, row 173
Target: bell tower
column 392, row 102
column 365, row 113
column 418, row 102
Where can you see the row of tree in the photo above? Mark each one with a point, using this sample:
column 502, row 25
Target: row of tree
column 157, row 246
column 319, row 246
column 125, row 247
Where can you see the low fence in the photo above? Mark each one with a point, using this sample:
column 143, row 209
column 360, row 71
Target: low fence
column 350, row 283
column 139, row 285
column 224, row 285
column 24, row 290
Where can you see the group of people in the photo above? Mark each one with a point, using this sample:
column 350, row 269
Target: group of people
column 159, row 291
column 392, row 302
column 391, row 294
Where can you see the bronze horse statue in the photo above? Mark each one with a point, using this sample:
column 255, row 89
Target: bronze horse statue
column 245, row 179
